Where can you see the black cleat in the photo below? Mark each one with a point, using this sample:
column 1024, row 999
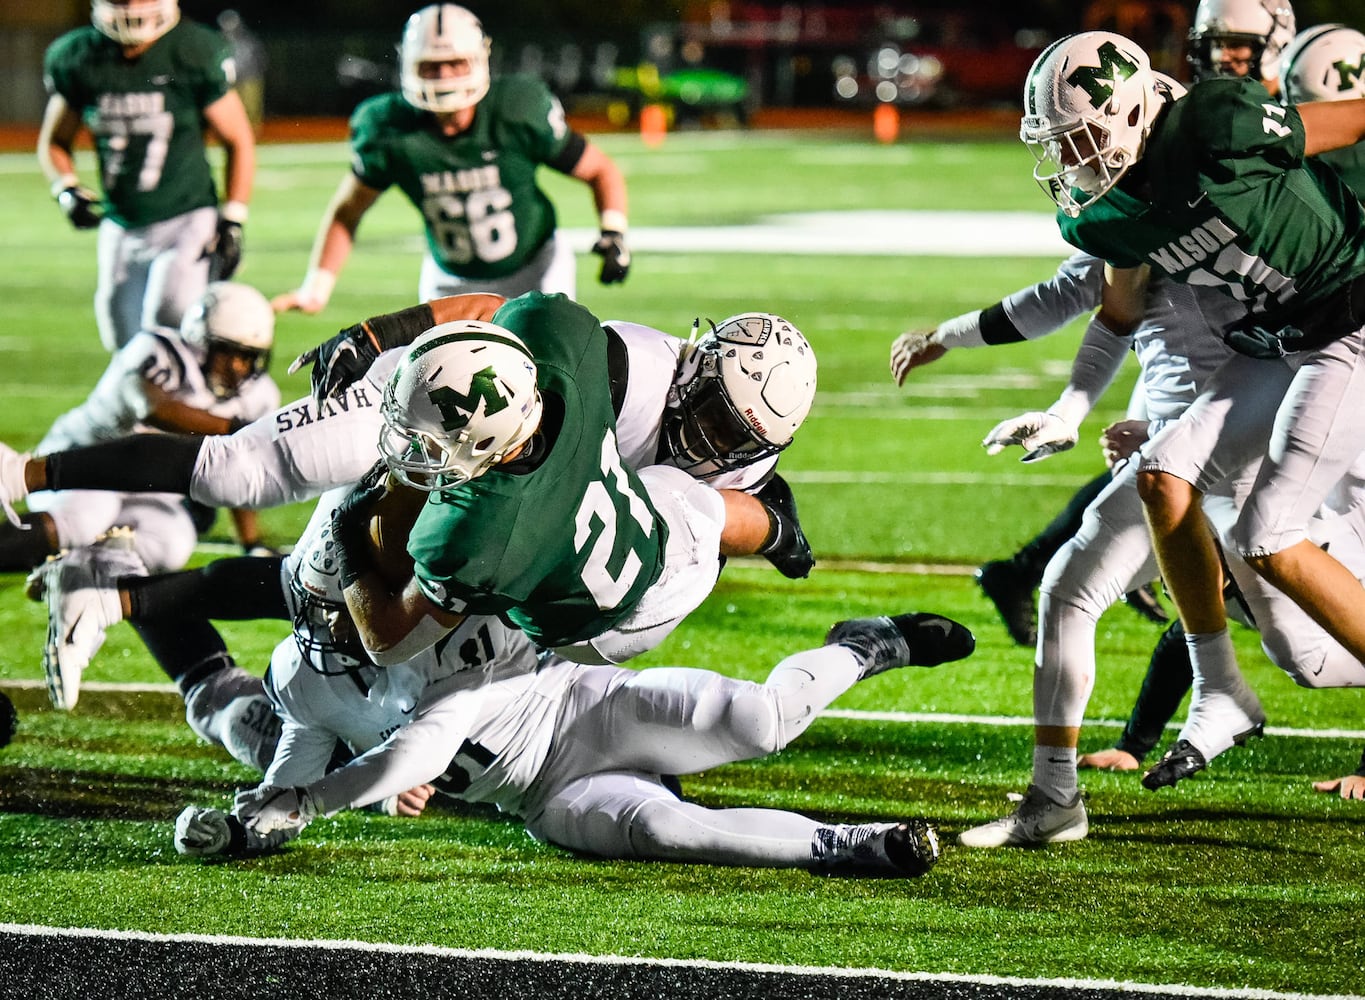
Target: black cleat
column 1012, row 594
column 1181, row 761
column 912, row 847
column 1145, row 602
column 906, row 849
column 787, row 548
column 915, row 639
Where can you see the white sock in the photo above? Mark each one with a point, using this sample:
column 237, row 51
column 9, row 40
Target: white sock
column 1214, row 659
column 1054, row 771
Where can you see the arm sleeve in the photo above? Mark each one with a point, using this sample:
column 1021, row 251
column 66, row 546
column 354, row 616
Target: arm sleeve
column 1097, row 361
column 416, row 754
column 1048, row 306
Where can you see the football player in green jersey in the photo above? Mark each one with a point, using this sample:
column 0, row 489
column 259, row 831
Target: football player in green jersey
column 1217, row 190
column 148, row 86
column 533, row 513
column 464, row 148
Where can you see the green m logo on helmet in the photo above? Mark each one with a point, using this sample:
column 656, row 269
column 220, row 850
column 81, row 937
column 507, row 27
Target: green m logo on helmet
column 1348, row 76
column 457, row 407
column 1099, row 81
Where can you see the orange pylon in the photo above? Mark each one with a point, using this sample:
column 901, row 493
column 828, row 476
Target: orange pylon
column 886, row 123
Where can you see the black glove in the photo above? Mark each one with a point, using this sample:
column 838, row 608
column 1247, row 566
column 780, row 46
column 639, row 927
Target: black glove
column 340, row 361
column 786, row 547
column 611, row 247
column 351, row 524
column 81, row 206
column 226, row 255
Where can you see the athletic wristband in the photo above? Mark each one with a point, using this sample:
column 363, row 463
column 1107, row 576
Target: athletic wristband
column 63, row 182
column 318, row 284
column 398, row 329
column 1072, row 406
column 234, row 211
column 960, row 331
column 613, row 220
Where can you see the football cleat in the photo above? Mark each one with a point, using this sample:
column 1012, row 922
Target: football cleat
column 1011, row 591
column 1184, row 760
column 1144, row 601
column 909, row 848
column 916, row 639
column 81, row 591
column 1037, row 820
column 229, row 708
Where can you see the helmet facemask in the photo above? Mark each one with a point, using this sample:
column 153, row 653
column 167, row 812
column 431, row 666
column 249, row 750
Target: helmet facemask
column 1264, row 27
column 1089, row 101
column 444, row 35
column 738, row 395
column 462, row 399
column 323, row 630
column 233, row 327
column 136, row 22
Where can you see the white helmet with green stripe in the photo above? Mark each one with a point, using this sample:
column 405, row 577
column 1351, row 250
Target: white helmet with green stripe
column 461, row 400
column 1325, row 63
column 1089, row 103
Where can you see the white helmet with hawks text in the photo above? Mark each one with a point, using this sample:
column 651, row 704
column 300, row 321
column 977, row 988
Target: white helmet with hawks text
column 1326, row 63
column 444, row 59
column 1266, row 26
column 230, row 319
column 1089, row 103
column 462, row 398
column 739, row 395
column 134, row 22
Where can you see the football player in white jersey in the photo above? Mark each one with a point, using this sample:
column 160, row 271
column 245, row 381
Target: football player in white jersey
column 207, row 378
column 306, row 447
column 578, row 752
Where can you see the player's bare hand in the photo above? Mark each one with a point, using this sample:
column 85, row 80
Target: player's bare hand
column 1112, row 759
column 1119, row 441
column 413, row 801
column 1352, row 786
column 296, row 301
column 913, row 349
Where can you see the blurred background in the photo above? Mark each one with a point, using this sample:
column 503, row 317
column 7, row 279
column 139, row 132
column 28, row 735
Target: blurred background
column 704, row 62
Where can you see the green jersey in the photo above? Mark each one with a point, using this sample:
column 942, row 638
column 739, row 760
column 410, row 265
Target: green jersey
column 1223, row 197
column 485, row 216
column 563, row 545
column 146, row 115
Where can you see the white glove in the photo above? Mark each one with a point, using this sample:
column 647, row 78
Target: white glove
column 912, row 349
column 1040, row 434
column 200, row 831
column 269, row 808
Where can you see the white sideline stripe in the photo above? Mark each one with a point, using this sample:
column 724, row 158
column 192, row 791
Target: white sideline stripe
column 437, row 951
column 857, row 714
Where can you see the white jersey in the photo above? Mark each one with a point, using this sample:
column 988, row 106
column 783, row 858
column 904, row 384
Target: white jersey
column 300, row 451
column 119, row 403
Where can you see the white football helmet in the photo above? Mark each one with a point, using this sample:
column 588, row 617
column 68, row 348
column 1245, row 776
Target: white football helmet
column 444, row 33
column 134, row 22
column 1326, row 63
column 323, row 630
column 739, row 394
column 235, row 318
column 461, row 399
column 1265, row 25
column 1089, row 103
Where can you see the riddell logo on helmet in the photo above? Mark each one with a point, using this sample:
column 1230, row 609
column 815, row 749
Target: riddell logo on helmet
column 755, row 423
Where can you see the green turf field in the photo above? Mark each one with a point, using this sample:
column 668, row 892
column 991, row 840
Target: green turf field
column 1246, row 878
